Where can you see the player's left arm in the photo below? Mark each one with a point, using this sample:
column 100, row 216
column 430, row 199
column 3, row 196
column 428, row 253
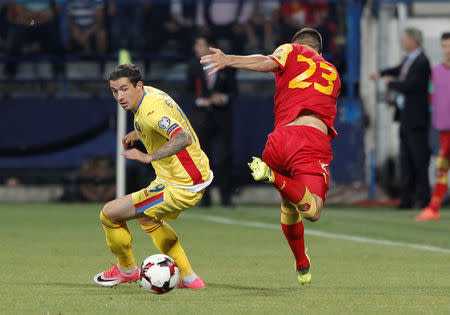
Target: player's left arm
column 176, row 144
column 219, row 60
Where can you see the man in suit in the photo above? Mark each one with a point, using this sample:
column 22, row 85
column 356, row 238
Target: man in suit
column 212, row 116
column 410, row 81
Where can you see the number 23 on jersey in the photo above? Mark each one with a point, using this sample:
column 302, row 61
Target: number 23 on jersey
column 327, row 72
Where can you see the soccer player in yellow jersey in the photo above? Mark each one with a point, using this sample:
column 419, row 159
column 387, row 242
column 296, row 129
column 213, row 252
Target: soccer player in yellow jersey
column 182, row 174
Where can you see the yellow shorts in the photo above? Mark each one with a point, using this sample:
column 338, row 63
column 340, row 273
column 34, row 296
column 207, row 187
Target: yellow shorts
column 162, row 201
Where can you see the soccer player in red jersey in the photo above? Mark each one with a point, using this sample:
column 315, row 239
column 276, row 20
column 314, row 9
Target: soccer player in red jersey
column 298, row 151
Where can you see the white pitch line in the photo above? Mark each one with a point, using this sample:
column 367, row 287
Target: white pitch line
column 357, row 239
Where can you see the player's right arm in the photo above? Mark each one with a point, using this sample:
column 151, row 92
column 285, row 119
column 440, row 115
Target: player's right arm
column 181, row 140
column 218, row 60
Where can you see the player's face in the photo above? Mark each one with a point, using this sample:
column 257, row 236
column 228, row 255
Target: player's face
column 446, row 49
column 127, row 95
column 201, row 47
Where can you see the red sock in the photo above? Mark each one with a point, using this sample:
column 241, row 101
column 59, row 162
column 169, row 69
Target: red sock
column 292, row 190
column 295, row 236
column 438, row 195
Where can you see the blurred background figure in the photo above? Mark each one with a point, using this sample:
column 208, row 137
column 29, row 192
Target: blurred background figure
column 3, row 26
column 229, row 21
column 440, row 77
column 410, row 81
column 168, row 22
column 125, row 20
column 297, row 14
column 264, row 25
column 33, row 29
column 96, row 179
column 212, row 117
column 87, row 32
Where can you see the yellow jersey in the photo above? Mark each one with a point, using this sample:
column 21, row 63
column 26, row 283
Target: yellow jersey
column 157, row 119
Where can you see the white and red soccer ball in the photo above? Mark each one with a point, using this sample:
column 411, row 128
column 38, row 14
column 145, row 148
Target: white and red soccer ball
column 159, row 274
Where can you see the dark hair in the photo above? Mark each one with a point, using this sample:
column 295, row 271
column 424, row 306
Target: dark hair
column 129, row 71
column 309, row 37
column 445, row 36
column 210, row 40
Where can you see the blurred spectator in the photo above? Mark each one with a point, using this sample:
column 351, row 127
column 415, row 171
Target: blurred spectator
column 293, row 16
column 87, row 32
column 3, row 26
column 34, row 23
column 298, row 14
column 441, row 121
column 96, row 179
column 12, row 182
column 125, row 19
column 161, row 26
column 264, row 21
column 321, row 22
column 228, row 20
column 410, row 80
column 212, row 116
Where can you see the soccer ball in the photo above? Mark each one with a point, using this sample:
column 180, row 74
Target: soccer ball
column 159, row 274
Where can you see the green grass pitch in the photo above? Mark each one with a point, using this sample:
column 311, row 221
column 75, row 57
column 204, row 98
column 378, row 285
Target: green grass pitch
column 50, row 252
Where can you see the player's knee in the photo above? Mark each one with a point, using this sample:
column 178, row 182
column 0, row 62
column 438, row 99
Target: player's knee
column 318, row 211
column 110, row 212
column 147, row 221
column 316, row 216
column 312, row 211
column 107, row 208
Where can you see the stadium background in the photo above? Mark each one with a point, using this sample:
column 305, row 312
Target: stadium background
column 53, row 126
column 58, row 147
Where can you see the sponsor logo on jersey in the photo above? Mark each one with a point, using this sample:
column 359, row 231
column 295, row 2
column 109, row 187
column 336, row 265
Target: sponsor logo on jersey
column 164, row 123
column 149, row 113
column 138, row 129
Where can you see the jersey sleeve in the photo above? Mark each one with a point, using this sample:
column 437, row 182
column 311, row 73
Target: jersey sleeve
column 281, row 54
column 163, row 124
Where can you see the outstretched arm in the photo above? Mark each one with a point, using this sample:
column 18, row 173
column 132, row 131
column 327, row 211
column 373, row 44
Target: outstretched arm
column 218, row 60
column 176, row 144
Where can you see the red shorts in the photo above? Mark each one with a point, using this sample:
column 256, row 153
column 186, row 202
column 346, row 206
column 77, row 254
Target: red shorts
column 302, row 153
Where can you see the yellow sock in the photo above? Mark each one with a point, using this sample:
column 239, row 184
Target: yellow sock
column 118, row 239
column 166, row 240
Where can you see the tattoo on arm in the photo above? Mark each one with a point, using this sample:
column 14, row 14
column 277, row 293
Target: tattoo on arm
column 175, row 145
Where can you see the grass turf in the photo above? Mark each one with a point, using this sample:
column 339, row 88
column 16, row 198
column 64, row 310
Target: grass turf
column 50, row 253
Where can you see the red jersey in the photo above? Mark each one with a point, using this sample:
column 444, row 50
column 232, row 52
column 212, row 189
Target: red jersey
column 304, row 81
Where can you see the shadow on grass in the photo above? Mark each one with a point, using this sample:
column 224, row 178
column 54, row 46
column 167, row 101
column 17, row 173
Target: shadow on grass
column 248, row 288
column 73, row 285
column 64, row 284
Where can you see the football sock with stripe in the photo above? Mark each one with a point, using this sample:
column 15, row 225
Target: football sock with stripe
column 441, row 186
column 296, row 193
column 293, row 190
column 118, row 239
column 293, row 229
column 166, row 240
